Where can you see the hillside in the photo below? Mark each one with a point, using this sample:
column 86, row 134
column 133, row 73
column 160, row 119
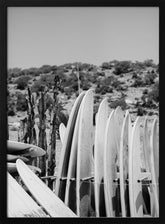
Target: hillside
column 133, row 86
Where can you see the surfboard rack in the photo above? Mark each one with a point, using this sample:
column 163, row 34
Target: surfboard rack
column 87, row 178
column 49, row 177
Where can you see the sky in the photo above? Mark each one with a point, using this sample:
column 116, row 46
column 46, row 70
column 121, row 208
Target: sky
column 57, row 35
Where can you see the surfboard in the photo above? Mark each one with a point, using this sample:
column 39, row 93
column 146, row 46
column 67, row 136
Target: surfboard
column 43, row 195
column 110, row 169
column 84, row 156
column 154, row 159
column 151, row 201
column 19, row 203
column 124, row 158
column 70, row 194
column 102, row 118
column 147, row 190
column 13, row 158
column 12, row 168
column 146, row 144
column 24, row 149
column 62, row 130
column 119, row 117
column 60, row 185
column 135, row 185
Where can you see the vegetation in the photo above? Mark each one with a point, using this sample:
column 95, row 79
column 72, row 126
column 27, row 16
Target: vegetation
column 104, row 79
column 21, row 104
column 122, row 67
column 22, row 82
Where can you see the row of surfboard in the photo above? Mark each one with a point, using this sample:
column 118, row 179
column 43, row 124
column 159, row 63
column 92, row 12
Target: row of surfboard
column 100, row 169
column 101, row 172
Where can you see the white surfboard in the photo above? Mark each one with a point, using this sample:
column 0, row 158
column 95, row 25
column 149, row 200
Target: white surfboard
column 70, row 194
column 45, row 197
column 24, row 149
column 135, row 186
column 85, row 155
column 119, row 118
column 19, row 203
column 12, row 168
column 102, row 118
column 62, row 131
column 60, row 185
column 146, row 144
column 155, row 167
column 110, row 168
column 124, row 158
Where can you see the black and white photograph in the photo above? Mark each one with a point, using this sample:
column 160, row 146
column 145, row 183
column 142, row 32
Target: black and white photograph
column 83, row 112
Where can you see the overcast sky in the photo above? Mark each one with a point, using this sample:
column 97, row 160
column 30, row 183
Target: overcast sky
column 58, row 35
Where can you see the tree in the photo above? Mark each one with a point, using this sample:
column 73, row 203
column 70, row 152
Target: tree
column 22, row 82
column 122, row 67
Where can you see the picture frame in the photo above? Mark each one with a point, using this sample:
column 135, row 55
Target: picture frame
column 4, row 5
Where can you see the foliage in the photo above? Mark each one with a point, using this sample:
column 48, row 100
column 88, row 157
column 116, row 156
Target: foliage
column 141, row 111
column 45, row 69
column 154, row 93
column 22, row 82
column 106, row 65
column 120, row 102
column 21, row 104
column 10, row 105
column 150, row 98
column 14, row 72
column 138, row 82
column 149, row 78
column 149, row 63
column 122, row 67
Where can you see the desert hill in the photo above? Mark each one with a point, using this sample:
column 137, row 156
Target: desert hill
column 131, row 85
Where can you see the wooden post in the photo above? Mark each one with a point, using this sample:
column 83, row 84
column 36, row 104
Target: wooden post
column 42, row 134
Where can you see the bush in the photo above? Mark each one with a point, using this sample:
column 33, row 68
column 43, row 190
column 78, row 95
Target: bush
column 140, row 111
column 49, row 101
column 138, row 82
column 149, row 99
column 106, row 65
column 120, row 102
column 154, row 93
column 11, row 108
column 149, row 78
column 21, row 104
column 122, row 67
column 134, row 75
column 103, row 89
column 22, row 82
column 145, row 91
column 37, row 86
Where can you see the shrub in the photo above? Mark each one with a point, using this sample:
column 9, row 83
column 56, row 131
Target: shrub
column 138, row 82
column 49, row 101
column 106, row 65
column 145, row 91
column 154, row 93
column 120, row 102
column 22, row 82
column 11, row 108
column 37, row 86
column 140, row 111
column 149, row 78
column 103, row 89
column 21, row 104
column 122, row 67
column 149, row 99
column 134, row 75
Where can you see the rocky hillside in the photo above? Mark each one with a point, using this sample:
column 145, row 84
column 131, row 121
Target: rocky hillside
column 131, row 85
